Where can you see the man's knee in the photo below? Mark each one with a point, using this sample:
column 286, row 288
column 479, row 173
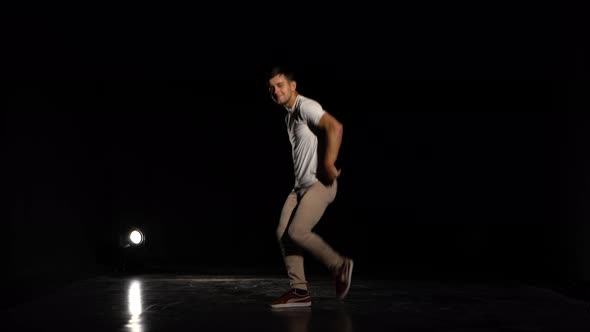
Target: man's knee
column 298, row 234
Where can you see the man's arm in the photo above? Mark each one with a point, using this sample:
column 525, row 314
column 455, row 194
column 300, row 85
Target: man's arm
column 332, row 129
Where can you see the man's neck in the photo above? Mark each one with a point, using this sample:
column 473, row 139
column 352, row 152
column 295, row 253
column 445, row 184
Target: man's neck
column 292, row 101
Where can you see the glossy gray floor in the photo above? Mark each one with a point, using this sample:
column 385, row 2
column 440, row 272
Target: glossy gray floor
column 145, row 303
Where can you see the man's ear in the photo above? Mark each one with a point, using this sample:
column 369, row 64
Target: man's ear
column 294, row 85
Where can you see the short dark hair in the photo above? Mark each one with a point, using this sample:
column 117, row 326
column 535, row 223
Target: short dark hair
column 281, row 70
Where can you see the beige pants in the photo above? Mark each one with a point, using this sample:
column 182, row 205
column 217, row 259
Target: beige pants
column 301, row 212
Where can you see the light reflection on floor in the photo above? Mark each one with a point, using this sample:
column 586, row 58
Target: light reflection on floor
column 135, row 306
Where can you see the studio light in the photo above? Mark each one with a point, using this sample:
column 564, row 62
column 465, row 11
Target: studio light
column 136, row 237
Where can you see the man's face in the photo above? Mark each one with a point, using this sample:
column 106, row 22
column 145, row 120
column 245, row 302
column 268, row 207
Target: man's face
column 281, row 90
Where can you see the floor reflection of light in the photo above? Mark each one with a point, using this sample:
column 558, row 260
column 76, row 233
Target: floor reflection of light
column 135, row 307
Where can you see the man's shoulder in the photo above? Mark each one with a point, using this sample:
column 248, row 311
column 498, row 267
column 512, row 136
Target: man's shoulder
column 309, row 104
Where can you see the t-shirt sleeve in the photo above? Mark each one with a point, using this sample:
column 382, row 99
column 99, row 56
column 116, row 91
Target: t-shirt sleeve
column 312, row 112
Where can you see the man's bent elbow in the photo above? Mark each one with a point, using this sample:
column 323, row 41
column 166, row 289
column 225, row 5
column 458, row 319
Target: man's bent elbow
column 338, row 129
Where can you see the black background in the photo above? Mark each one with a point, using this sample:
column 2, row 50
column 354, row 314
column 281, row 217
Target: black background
column 465, row 150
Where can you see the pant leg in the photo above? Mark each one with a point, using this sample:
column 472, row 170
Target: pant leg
column 291, row 252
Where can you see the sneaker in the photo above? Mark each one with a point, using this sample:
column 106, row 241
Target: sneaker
column 291, row 299
column 343, row 278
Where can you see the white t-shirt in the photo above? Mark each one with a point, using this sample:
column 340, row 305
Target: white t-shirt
column 302, row 122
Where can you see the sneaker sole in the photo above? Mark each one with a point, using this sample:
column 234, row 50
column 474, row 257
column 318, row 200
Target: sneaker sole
column 349, row 277
column 292, row 305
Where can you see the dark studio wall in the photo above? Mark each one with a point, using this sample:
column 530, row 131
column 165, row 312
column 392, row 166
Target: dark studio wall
column 463, row 156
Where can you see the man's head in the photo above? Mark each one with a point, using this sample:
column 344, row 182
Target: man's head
column 282, row 86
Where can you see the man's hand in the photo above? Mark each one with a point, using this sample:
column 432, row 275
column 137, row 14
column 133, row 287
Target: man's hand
column 328, row 174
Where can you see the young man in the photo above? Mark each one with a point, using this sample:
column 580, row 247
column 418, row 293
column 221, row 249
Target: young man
column 315, row 137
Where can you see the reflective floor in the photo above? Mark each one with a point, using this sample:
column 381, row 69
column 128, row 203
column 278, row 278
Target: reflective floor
column 241, row 303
